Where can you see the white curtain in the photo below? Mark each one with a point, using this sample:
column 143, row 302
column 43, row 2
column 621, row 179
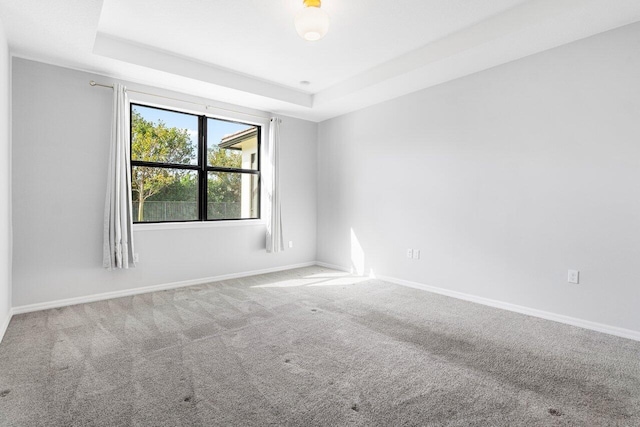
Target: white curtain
column 271, row 181
column 118, row 220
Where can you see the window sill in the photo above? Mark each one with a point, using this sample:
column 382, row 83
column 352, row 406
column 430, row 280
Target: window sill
column 198, row 224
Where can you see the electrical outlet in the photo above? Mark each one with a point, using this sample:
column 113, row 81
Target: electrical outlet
column 409, row 253
column 290, row 243
column 416, row 254
column 573, row 276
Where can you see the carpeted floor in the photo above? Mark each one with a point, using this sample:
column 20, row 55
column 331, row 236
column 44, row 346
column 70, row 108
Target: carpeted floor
column 310, row 347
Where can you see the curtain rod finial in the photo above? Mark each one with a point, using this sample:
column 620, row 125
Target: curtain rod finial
column 92, row 83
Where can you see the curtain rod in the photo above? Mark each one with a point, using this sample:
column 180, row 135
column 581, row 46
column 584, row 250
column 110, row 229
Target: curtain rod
column 206, row 106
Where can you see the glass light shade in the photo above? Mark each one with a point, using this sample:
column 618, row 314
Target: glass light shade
column 312, row 23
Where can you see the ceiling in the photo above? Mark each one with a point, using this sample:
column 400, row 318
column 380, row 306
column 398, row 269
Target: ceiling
column 248, row 52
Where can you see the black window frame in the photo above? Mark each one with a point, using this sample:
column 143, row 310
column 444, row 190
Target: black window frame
column 201, row 168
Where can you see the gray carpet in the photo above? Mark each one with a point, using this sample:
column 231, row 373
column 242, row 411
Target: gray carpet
column 310, row 347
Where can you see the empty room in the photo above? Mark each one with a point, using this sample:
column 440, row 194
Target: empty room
column 319, row 213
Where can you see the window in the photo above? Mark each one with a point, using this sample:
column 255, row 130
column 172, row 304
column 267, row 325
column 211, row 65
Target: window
column 186, row 167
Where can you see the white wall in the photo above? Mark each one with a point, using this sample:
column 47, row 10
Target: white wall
column 5, row 187
column 504, row 180
column 61, row 129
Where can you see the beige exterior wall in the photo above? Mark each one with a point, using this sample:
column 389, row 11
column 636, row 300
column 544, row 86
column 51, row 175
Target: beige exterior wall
column 249, row 203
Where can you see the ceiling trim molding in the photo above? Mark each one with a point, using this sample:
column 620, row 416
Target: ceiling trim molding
column 487, row 31
column 133, row 53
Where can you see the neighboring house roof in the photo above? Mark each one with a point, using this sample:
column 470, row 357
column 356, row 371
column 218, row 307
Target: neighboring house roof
column 234, row 141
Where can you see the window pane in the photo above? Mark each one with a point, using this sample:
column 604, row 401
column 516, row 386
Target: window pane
column 161, row 194
column 232, row 145
column 163, row 136
column 232, row 195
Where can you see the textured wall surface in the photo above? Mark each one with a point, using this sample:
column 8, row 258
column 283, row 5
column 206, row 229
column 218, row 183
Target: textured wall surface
column 504, row 180
column 5, row 185
column 60, row 146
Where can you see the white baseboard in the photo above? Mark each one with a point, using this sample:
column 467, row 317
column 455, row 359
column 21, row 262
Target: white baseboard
column 146, row 289
column 5, row 324
column 585, row 324
column 581, row 323
column 333, row 266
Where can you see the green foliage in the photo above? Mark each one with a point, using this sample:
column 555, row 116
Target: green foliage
column 183, row 189
column 155, row 142
column 224, row 187
column 225, row 158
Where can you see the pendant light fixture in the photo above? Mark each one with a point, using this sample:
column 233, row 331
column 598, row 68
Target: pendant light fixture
column 312, row 22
